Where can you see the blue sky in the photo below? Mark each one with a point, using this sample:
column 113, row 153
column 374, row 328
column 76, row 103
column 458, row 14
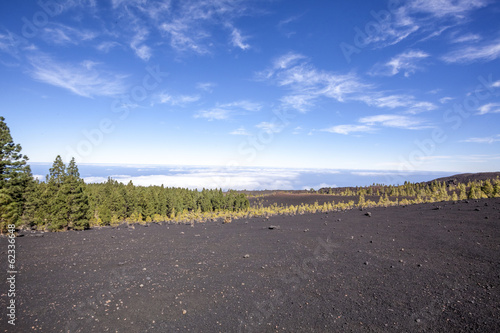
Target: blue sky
column 369, row 85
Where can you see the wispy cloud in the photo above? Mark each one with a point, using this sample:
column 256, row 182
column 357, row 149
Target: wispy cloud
column 393, row 120
column 240, row 131
column 348, row 129
column 489, row 108
column 424, row 17
column 12, row 45
column 56, row 33
column 137, row 44
column 406, row 62
column 83, row 78
column 407, row 102
column 206, row 86
column 466, row 38
column 238, row 40
column 297, row 130
column 176, row 100
column 107, row 46
column 489, row 139
column 283, row 25
column 372, row 123
column 188, row 24
column 227, row 110
column 270, row 127
column 307, row 84
column 445, row 100
column 484, row 52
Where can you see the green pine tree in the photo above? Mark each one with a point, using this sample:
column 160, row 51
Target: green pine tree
column 488, row 189
column 57, row 198
column 15, row 177
column 77, row 201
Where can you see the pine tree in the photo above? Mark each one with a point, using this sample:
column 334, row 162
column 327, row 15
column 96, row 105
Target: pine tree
column 15, row 177
column 57, row 207
column 488, row 189
column 77, row 201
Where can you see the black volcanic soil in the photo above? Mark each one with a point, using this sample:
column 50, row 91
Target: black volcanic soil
column 419, row 268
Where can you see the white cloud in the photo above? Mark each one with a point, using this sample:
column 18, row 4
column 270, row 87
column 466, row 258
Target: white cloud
column 82, row 79
column 142, row 51
column 393, row 120
column 405, row 62
column 270, row 127
column 485, row 52
column 240, row 131
column 307, row 84
column 11, row 44
column 57, row 33
column 107, row 46
column 469, row 37
column 442, row 8
column 445, row 100
column 489, row 108
column 206, row 86
column 178, row 100
column 429, row 17
column 238, row 40
column 188, row 25
column 348, row 129
column 374, row 173
column 301, row 103
column 489, row 139
column 297, row 130
column 215, row 113
column 245, row 105
column 211, row 178
column 227, row 110
column 39, row 177
column 396, row 101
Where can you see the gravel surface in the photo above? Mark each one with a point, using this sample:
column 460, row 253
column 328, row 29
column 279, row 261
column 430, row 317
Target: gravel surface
column 421, row 268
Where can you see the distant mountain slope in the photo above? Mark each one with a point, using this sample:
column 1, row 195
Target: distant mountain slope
column 467, row 177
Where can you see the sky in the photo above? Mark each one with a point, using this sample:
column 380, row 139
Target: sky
column 364, row 85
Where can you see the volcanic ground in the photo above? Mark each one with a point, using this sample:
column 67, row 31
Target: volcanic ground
column 419, row 268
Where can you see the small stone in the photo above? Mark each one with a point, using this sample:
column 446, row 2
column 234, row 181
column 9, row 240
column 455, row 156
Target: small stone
column 366, row 262
column 141, row 285
column 273, row 227
column 246, row 256
column 368, row 214
column 184, row 311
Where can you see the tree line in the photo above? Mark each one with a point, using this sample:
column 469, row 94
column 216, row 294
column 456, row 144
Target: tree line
column 425, row 192
column 64, row 201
